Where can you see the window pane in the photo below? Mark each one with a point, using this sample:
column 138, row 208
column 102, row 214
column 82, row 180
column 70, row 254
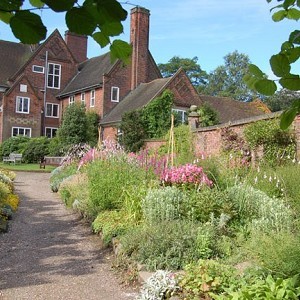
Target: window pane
column 55, row 110
column 27, row 132
column 54, row 130
column 56, row 81
column 15, row 131
column 25, row 105
column 21, row 131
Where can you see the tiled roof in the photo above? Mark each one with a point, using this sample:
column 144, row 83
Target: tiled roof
column 90, row 74
column 12, row 57
column 231, row 110
column 137, row 98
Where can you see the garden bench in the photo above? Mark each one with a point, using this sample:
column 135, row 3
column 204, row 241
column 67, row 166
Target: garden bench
column 13, row 157
column 50, row 161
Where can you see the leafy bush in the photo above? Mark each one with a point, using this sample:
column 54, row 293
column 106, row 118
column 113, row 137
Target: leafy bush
column 264, row 213
column 277, row 144
column 92, row 119
column 164, row 204
column 107, row 180
column 12, row 200
column 10, row 174
column 278, row 253
column 206, row 279
column 168, row 245
column 4, row 191
column 36, row 148
column 201, row 205
column 111, row 224
column 14, row 144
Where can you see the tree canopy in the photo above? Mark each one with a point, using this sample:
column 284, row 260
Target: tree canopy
column 189, row 65
column 227, row 80
column 99, row 19
column 281, row 63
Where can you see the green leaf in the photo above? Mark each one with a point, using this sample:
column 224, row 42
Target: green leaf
column 293, row 54
column 120, row 50
column 111, row 10
column 279, row 15
column 10, row 5
column 288, row 3
column 266, row 87
column 295, row 37
column 280, row 65
column 293, row 14
column 287, row 117
column 286, row 46
column 28, row 27
column 291, row 83
column 60, row 5
column 5, row 16
column 102, row 39
column 37, row 3
column 112, row 29
column 253, row 69
column 80, row 21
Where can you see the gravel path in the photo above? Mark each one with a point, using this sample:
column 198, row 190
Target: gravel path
column 49, row 254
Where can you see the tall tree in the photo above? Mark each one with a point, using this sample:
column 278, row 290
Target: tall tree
column 190, row 66
column 73, row 129
column 99, row 19
column 282, row 99
column 227, row 80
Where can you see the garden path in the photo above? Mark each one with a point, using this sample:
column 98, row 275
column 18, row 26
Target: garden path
column 49, row 254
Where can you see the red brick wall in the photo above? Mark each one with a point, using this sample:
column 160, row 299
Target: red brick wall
column 77, row 45
column 13, row 119
column 208, row 140
column 109, row 133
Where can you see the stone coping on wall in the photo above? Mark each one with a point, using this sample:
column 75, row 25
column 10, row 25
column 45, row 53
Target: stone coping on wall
column 239, row 122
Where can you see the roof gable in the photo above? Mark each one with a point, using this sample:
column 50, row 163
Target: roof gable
column 136, row 99
column 12, row 57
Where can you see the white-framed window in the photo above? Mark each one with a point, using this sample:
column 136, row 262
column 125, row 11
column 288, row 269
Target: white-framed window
column 115, row 94
column 38, row 69
column 50, row 132
column 82, row 97
column 92, row 99
column 180, row 115
column 22, row 105
column 54, row 73
column 52, row 110
column 15, row 131
column 23, row 88
column 71, row 99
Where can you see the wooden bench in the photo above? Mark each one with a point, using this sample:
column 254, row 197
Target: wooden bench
column 51, row 161
column 13, row 157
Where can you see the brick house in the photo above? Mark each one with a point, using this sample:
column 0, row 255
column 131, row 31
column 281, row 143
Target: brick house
column 31, row 76
column 38, row 82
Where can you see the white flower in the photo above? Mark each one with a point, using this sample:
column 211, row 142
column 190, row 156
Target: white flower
column 255, row 180
column 270, row 179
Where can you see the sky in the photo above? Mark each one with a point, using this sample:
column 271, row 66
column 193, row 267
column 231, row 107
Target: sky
column 208, row 29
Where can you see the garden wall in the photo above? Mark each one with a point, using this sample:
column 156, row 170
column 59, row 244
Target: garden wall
column 208, row 139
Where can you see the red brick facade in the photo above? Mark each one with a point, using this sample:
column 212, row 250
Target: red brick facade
column 208, row 141
column 30, row 85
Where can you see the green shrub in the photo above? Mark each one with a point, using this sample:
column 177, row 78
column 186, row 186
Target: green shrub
column 202, row 204
column 261, row 211
column 15, row 144
column 111, row 224
column 206, row 279
column 4, row 191
column 163, row 204
column 277, row 253
column 269, row 289
column 169, row 245
column 36, row 148
column 107, row 180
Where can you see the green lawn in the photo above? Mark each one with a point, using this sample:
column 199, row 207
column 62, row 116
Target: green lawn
column 25, row 167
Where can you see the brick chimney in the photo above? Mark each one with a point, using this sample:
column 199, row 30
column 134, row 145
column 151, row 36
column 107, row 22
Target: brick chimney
column 77, row 44
column 139, row 38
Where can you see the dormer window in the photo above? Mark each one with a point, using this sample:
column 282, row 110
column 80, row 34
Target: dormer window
column 115, row 94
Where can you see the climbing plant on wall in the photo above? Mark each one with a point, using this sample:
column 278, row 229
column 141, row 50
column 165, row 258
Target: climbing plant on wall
column 152, row 121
